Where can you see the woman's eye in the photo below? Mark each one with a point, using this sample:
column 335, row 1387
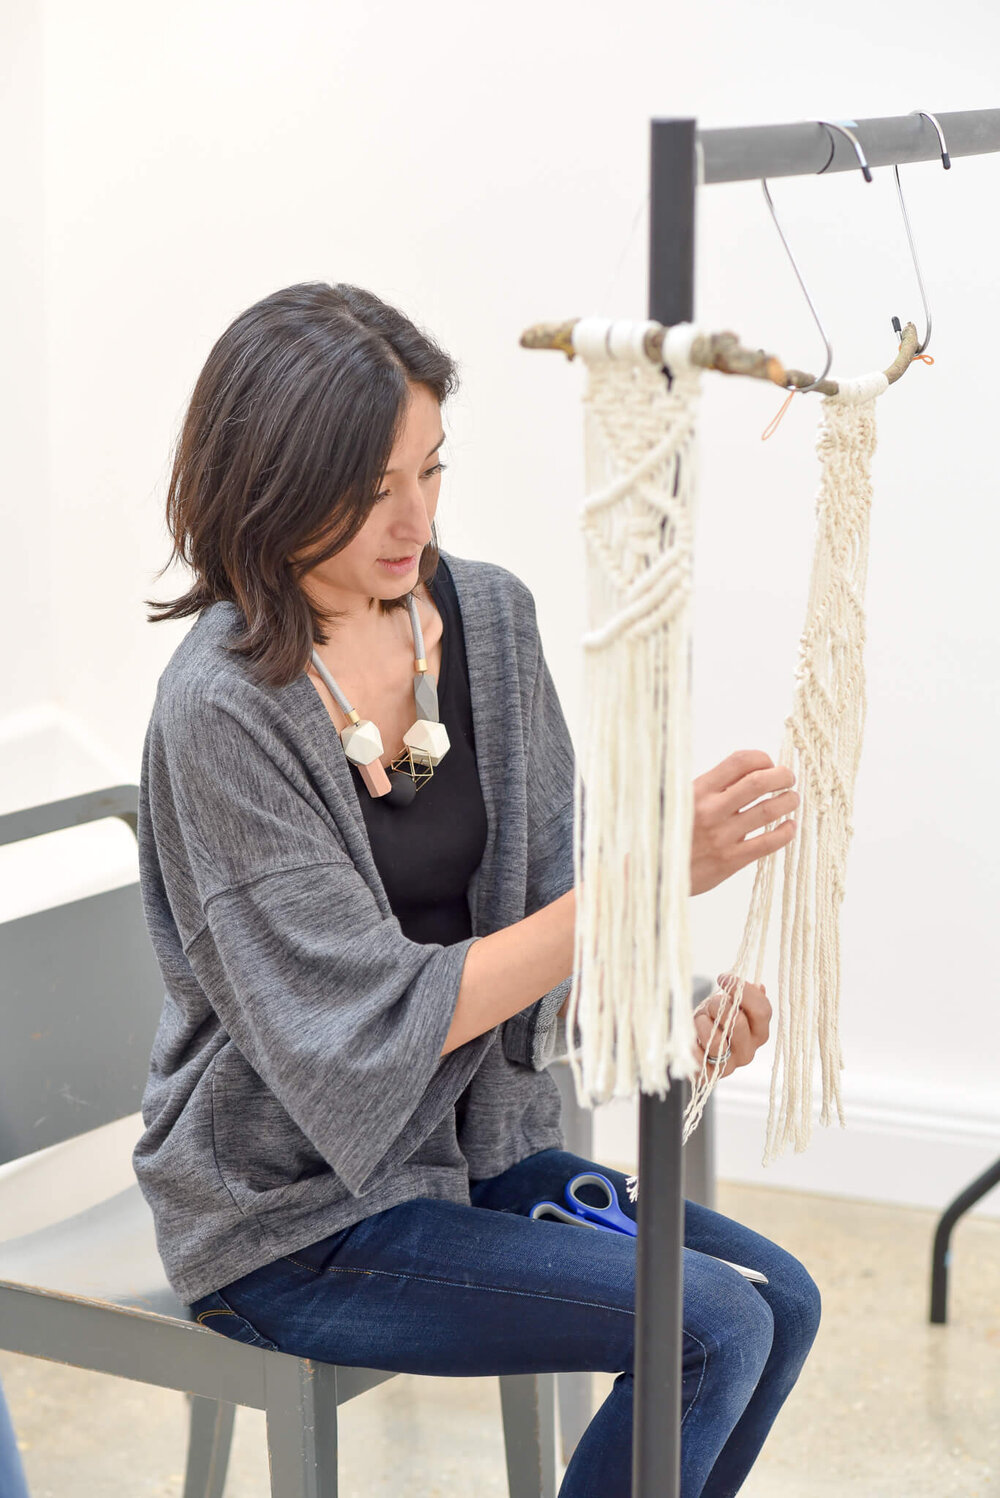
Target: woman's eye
column 427, row 474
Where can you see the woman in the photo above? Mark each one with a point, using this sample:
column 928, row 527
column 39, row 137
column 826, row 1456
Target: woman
column 348, row 1115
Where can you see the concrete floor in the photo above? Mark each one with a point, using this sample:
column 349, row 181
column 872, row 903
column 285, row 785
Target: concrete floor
column 887, row 1405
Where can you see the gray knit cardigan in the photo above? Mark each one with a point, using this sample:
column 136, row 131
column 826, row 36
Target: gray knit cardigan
column 296, row 1083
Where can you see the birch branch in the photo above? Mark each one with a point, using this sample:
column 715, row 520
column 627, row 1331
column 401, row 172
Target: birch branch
column 724, row 352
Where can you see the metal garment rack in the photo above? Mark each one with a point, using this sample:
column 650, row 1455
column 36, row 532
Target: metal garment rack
column 730, row 155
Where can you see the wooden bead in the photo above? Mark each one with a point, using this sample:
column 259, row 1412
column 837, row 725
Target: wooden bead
column 427, row 741
column 362, row 742
column 426, row 697
column 375, row 778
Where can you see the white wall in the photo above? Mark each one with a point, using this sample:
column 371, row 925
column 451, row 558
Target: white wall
column 25, row 616
column 485, row 168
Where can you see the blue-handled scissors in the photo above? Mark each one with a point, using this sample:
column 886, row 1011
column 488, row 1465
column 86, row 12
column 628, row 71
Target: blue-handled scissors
column 582, row 1213
column 610, row 1216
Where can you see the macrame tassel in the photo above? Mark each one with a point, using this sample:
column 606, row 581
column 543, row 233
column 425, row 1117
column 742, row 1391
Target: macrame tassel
column 822, row 746
column 632, row 996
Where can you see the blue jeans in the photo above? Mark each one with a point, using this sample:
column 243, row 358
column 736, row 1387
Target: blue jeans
column 12, row 1483
column 436, row 1287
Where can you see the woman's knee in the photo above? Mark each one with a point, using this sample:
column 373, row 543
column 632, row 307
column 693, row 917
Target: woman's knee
column 751, row 1334
column 730, row 1319
column 795, row 1302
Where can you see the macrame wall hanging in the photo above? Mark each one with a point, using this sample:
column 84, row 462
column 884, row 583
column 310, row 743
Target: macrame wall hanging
column 822, row 747
column 631, row 998
column 633, row 878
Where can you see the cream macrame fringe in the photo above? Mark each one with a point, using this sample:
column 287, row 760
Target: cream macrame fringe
column 822, row 746
column 631, row 998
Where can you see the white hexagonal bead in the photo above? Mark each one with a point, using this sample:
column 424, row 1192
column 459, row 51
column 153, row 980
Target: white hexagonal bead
column 428, row 741
column 362, row 742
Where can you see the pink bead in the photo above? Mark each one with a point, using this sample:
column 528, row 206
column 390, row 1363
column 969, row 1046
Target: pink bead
column 375, row 778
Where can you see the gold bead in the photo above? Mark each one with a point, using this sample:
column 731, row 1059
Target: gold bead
column 421, row 663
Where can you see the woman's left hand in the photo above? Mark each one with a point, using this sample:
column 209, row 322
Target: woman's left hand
column 749, row 1032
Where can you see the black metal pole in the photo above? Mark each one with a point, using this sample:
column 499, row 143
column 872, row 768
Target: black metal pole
column 656, row 1435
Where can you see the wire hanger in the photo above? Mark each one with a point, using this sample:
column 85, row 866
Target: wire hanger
column 946, row 163
column 844, row 129
column 805, row 291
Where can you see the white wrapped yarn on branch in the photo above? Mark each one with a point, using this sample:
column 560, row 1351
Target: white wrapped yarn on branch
column 634, row 799
column 822, row 745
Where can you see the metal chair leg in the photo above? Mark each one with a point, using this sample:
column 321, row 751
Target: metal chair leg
column 301, row 1427
column 699, row 1152
column 942, row 1238
column 576, row 1410
column 210, row 1435
column 529, row 1415
column 699, row 1160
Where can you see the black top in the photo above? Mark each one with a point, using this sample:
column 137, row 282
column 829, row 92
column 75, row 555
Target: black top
column 427, row 852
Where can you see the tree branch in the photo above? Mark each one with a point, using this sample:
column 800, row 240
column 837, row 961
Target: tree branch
column 724, row 352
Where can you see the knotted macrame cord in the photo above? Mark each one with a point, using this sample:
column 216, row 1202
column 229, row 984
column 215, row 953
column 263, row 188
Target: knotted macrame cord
column 822, row 746
column 631, row 997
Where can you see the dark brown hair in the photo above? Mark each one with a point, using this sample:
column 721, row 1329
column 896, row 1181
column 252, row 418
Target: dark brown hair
column 284, row 444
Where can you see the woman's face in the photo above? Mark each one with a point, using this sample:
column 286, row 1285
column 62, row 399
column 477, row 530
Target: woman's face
column 399, row 524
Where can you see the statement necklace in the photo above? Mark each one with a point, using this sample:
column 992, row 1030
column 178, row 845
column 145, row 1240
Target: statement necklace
column 426, row 741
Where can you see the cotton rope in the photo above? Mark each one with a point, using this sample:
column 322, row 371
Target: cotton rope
column 631, row 999
column 822, row 746
column 632, row 964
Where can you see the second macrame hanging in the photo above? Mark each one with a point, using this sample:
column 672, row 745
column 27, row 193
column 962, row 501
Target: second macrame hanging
column 822, row 746
column 631, row 1000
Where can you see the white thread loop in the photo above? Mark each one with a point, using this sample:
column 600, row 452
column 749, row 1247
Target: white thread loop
column 678, row 342
column 863, row 388
column 590, row 338
column 627, row 340
column 597, row 339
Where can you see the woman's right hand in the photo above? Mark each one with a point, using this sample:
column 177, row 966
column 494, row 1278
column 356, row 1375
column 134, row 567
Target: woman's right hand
column 720, row 842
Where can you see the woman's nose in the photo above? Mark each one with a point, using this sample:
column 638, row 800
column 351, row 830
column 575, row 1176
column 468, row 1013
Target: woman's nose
column 415, row 514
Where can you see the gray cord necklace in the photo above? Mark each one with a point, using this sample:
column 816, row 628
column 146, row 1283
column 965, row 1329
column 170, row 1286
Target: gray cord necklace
column 426, row 741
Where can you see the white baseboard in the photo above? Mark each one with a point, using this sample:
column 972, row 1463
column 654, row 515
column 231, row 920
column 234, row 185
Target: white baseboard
column 903, row 1144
